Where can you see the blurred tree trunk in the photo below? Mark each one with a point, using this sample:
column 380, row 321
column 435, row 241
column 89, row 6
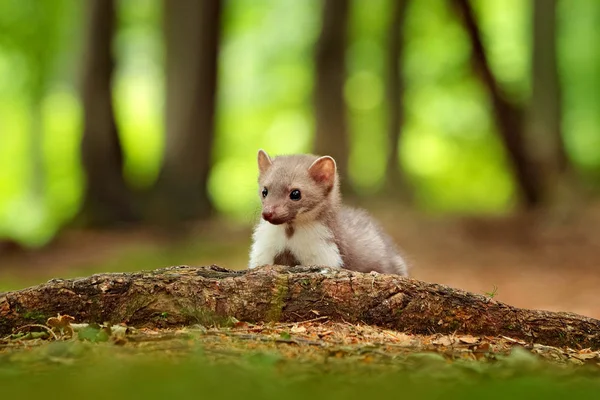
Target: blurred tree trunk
column 330, row 109
column 508, row 117
column 543, row 123
column 107, row 198
column 395, row 90
column 192, row 32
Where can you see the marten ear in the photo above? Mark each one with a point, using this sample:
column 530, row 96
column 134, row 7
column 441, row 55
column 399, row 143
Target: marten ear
column 264, row 161
column 323, row 170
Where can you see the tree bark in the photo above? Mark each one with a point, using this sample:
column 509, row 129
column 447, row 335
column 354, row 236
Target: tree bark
column 543, row 124
column 107, row 197
column 395, row 89
column 192, row 34
column 184, row 295
column 508, row 117
column 331, row 131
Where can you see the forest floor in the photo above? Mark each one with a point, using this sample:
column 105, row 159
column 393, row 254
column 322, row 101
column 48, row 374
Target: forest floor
column 316, row 358
column 552, row 265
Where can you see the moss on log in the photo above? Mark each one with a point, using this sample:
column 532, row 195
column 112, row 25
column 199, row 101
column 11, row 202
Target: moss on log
column 183, row 295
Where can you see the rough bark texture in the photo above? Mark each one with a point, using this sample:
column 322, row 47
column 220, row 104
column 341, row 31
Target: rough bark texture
column 508, row 117
column 192, row 35
column 107, row 198
column 185, row 295
column 331, row 137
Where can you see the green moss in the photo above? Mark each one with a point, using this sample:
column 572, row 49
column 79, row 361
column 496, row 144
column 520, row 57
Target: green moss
column 278, row 300
column 35, row 316
column 161, row 317
column 99, row 370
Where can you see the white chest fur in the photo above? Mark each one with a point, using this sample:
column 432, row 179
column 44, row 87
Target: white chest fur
column 311, row 243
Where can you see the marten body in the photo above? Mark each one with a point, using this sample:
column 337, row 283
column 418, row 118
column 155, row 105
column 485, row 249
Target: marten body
column 304, row 223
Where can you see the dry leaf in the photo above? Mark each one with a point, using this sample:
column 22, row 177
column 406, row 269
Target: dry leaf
column 443, row 341
column 512, row 340
column 484, row 348
column 585, row 356
column 298, row 329
column 468, row 339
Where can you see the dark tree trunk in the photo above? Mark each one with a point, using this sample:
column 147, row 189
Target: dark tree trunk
column 107, row 198
column 182, row 295
column 192, row 33
column 395, row 89
column 331, row 136
column 543, row 125
column 508, row 117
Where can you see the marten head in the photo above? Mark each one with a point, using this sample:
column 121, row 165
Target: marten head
column 296, row 188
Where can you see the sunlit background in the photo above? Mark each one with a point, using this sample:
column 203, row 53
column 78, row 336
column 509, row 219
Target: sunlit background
column 451, row 154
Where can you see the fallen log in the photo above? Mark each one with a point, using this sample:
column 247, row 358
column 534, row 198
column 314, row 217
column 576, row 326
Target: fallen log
column 183, row 295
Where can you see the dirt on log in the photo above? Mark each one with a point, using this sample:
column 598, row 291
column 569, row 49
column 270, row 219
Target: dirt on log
column 183, row 295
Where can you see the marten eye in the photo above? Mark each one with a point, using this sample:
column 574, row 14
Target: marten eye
column 265, row 192
column 295, row 195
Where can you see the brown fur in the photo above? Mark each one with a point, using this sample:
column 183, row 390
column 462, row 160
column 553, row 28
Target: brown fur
column 362, row 243
column 289, row 230
column 286, row 258
column 291, row 172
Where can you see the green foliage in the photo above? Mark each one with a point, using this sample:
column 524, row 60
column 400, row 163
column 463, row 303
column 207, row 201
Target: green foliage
column 138, row 89
column 35, row 316
column 285, row 335
column 491, row 294
column 38, row 118
column 579, row 64
column 267, row 102
column 449, row 149
column 93, row 334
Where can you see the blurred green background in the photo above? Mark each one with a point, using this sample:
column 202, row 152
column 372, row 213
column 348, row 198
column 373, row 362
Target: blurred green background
column 121, row 116
column 451, row 155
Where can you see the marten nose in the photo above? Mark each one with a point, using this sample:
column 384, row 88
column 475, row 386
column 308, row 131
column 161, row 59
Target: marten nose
column 267, row 215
